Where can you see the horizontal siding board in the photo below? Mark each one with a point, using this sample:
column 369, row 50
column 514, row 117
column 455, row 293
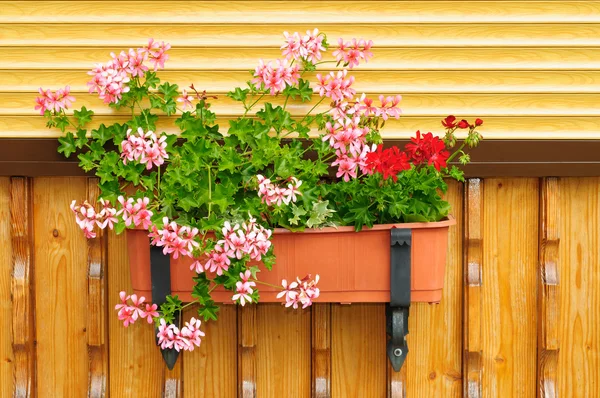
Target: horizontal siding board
column 399, row 58
column 383, row 35
column 405, row 82
column 550, row 127
column 418, row 104
column 312, row 12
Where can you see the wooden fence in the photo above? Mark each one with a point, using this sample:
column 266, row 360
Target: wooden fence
column 519, row 316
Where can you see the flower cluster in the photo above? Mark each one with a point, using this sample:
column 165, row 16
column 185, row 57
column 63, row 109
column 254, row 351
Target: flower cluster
column 428, row 149
column 451, row 123
column 174, row 239
column 54, row 101
column 275, row 76
column 146, row 148
column 272, row 194
column 129, row 313
column 111, row 80
column 307, row 47
column 169, row 336
column 351, row 53
column 135, row 212
column 86, row 217
column 249, row 239
column 243, row 288
column 302, row 291
column 389, row 162
column 336, row 86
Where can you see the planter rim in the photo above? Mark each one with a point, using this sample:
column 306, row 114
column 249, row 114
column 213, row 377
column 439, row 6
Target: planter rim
column 447, row 222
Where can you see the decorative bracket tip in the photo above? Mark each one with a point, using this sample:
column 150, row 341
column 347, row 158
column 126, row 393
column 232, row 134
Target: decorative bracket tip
column 160, row 274
column 397, row 310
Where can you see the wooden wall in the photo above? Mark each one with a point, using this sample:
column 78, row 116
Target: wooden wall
column 530, row 69
column 519, row 316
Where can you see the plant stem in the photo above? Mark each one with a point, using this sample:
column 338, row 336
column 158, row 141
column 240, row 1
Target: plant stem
column 312, row 109
column 268, row 284
column 254, row 103
column 209, row 191
column 456, row 152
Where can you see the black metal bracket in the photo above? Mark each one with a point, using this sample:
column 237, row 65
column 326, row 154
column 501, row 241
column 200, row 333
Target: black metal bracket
column 160, row 275
column 397, row 310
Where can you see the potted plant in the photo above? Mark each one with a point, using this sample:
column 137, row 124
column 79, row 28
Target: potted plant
column 301, row 194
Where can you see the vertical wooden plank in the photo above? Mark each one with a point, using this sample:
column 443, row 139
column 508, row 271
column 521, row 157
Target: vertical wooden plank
column 247, row 339
column 61, row 307
column 282, row 351
column 23, row 288
column 321, row 350
column 358, row 356
column 211, row 370
column 509, row 294
column 7, row 359
column 97, row 328
column 136, row 368
column 472, row 365
column 433, row 365
column 548, row 288
column 579, row 252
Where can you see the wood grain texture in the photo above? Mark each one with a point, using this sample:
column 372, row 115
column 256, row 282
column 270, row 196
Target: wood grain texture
column 173, row 380
column 7, row 358
column 211, row 370
column 61, row 307
column 385, row 59
column 500, row 127
column 358, row 356
column 406, row 82
column 473, row 270
column 247, row 340
column 441, row 81
column 23, row 289
column 433, row 365
column 97, row 326
column 314, row 12
column 548, row 288
column 508, row 293
column 283, row 351
column 321, row 350
column 136, row 367
column 385, row 35
column 413, row 105
column 578, row 370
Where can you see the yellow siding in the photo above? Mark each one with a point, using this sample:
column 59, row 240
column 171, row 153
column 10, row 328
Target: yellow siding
column 530, row 69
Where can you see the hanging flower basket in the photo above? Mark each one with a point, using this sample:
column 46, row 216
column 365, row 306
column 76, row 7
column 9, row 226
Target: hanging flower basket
column 354, row 267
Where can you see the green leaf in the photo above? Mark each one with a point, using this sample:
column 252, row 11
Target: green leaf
column 238, row 94
column 67, row 145
column 83, row 116
column 81, row 138
column 85, row 161
column 151, row 80
column 297, row 213
column 168, row 90
column 102, row 134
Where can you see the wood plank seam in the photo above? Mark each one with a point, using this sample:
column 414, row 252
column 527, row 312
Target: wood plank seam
column 548, row 289
column 97, row 323
column 473, row 213
column 23, row 289
column 247, row 338
column 321, row 350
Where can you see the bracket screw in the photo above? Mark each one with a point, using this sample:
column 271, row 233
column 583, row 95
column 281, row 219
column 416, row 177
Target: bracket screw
column 397, row 352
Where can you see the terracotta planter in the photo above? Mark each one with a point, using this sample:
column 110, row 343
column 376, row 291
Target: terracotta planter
column 353, row 266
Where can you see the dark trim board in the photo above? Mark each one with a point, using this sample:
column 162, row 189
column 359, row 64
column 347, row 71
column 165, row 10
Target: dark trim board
column 33, row 157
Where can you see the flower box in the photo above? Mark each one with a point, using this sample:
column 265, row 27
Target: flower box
column 353, row 266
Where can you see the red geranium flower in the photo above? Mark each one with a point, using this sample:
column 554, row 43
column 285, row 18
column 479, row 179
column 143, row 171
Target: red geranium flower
column 449, row 122
column 428, row 149
column 463, row 124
